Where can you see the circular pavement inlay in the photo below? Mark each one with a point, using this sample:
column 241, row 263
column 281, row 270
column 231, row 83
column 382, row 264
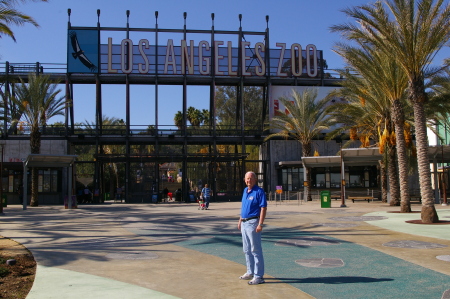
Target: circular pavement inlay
column 445, row 258
column 132, row 255
column 413, row 244
column 335, row 224
column 359, row 218
column 321, row 263
column 307, row 241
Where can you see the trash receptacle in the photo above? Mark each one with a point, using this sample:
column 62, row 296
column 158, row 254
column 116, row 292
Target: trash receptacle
column 5, row 201
column 325, row 199
column 106, row 196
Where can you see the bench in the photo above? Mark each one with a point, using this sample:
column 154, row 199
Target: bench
column 415, row 198
column 368, row 198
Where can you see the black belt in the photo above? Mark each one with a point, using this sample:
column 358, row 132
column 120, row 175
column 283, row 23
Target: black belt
column 247, row 219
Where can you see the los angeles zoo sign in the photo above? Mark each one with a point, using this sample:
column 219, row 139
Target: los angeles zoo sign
column 86, row 55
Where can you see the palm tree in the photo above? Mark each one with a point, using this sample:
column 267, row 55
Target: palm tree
column 9, row 15
column 411, row 31
column 205, row 115
column 304, row 119
column 38, row 102
column 194, row 116
column 388, row 81
column 178, row 119
column 367, row 116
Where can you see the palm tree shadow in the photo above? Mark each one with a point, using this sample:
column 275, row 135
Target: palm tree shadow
column 328, row 280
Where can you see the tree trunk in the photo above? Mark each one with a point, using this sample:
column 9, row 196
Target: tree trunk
column 383, row 181
column 393, row 177
column 35, row 145
column 399, row 121
column 417, row 98
column 306, row 152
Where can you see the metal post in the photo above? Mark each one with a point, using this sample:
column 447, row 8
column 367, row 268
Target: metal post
column 25, row 185
column 444, row 187
column 342, row 180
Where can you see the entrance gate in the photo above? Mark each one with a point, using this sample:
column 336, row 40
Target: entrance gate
column 218, row 150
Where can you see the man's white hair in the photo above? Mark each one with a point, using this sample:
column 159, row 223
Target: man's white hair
column 252, row 173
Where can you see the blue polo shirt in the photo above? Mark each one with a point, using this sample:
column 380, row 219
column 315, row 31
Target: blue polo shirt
column 253, row 202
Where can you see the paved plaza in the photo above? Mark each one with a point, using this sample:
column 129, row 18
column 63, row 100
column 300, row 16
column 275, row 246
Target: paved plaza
column 173, row 250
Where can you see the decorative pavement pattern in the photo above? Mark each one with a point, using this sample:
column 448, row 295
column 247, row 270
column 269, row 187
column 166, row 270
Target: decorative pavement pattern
column 307, row 241
column 445, row 258
column 320, row 263
column 337, row 225
column 413, row 244
column 359, row 218
column 306, row 261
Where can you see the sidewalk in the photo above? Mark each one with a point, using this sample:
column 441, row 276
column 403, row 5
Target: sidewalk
column 174, row 250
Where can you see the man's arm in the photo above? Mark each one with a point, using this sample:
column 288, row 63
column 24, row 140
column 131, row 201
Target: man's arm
column 262, row 216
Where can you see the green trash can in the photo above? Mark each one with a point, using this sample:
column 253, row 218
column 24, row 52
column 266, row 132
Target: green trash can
column 325, row 199
column 5, row 201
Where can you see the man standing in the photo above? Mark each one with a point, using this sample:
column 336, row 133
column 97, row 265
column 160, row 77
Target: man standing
column 206, row 194
column 253, row 213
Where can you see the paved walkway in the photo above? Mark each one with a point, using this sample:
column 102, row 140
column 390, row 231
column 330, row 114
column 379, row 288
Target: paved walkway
column 174, row 250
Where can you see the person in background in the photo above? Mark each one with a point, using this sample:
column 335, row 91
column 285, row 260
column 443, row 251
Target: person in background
column 206, row 195
column 253, row 213
column 165, row 194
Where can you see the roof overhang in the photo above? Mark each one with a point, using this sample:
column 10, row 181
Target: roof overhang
column 363, row 157
column 351, row 157
column 38, row 160
column 439, row 153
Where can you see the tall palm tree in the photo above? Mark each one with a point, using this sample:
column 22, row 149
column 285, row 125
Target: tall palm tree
column 412, row 31
column 9, row 15
column 367, row 116
column 38, row 101
column 387, row 79
column 303, row 120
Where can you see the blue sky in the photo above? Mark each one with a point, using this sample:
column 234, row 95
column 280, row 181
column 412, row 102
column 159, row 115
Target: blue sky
column 291, row 21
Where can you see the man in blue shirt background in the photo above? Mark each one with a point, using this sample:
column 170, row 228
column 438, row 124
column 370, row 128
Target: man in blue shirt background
column 253, row 213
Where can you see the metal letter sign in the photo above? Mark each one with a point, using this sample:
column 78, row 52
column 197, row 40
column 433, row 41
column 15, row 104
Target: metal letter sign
column 82, row 51
column 188, row 57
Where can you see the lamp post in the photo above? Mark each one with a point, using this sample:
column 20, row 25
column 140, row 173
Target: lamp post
column 444, row 186
column 342, row 177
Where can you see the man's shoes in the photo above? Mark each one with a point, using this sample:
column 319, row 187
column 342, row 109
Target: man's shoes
column 246, row 276
column 256, row 280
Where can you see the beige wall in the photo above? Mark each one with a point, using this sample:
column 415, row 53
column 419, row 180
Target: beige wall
column 18, row 150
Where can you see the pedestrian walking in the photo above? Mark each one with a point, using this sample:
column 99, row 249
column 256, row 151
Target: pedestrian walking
column 206, row 195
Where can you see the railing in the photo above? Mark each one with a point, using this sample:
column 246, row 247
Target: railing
column 61, row 68
column 285, row 197
column 38, row 68
column 136, row 130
